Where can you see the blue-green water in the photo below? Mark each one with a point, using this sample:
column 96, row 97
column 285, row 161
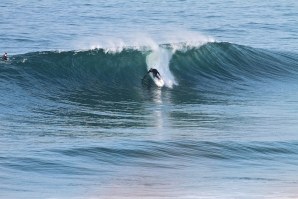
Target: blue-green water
column 76, row 121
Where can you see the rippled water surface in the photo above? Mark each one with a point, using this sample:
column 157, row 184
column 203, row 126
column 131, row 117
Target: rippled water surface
column 77, row 121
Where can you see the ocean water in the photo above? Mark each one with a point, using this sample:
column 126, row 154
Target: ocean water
column 77, row 121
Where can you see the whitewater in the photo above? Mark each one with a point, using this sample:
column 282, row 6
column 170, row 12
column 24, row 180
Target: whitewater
column 78, row 122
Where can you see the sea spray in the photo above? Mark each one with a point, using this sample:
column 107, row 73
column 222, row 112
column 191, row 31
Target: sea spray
column 160, row 60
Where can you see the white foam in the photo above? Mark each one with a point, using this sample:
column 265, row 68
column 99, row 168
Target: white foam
column 177, row 39
column 181, row 39
column 160, row 59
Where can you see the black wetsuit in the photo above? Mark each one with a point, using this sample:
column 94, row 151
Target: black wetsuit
column 4, row 57
column 154, row 72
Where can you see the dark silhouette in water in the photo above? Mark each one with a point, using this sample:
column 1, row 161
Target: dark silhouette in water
column 5, row 57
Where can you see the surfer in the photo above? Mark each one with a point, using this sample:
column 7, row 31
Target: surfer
column 5, row 57
column 154, row 72
column 156, row 77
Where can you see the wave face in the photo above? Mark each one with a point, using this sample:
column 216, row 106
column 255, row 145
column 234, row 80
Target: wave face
column 206, row 67
column 219, row 68
column 217, row 64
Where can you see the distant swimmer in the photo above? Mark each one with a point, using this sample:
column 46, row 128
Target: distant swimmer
column 5, row 57
column 154, row 72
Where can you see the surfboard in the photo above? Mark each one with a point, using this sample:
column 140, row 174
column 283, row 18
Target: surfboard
column 159, row 82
